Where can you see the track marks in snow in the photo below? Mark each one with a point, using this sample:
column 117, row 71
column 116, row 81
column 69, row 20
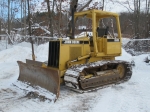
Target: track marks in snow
column 9, row 99
column 84, row 103
column 118, row 87
column 13, row 97
column 70, row 101
column 9, row 75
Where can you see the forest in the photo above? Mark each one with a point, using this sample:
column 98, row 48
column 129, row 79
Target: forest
column 51, row 17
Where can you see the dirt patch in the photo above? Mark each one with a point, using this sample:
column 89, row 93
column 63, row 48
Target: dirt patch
column 118, row 87
column 85, row 102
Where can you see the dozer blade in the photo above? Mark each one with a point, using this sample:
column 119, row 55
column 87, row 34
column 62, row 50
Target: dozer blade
column 33, row 73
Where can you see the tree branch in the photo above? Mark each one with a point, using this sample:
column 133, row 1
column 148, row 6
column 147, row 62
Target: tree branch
column 85, row 5
column 128, row 8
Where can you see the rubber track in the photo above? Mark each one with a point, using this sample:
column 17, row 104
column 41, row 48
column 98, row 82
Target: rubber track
column 72, row 75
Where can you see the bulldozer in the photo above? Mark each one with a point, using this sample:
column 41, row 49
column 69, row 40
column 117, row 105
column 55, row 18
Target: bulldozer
column 83, row 63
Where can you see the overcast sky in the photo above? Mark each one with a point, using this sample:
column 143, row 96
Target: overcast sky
column 116, row 7
column 109, row 5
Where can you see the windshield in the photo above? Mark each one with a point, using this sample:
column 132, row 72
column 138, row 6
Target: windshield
column 83, row 27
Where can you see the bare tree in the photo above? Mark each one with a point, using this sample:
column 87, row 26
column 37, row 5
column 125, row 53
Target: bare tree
column 103, row 5
column 73, row 8
column 29, row 18
column 140, row 18
column 85, row 5
column 59, row 16
column 0, row 20
column 50, row 17
column 137, row 7
column 0, row 27
column 9, row 21
column 59, row 22
column 147, row 22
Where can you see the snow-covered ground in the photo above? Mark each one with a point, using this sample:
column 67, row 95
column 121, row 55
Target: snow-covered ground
column 132, row 96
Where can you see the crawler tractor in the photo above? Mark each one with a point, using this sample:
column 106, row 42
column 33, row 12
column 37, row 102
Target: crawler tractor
column 82, row 63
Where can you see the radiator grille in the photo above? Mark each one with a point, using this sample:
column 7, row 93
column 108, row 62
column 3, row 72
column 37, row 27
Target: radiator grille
column 53, row 58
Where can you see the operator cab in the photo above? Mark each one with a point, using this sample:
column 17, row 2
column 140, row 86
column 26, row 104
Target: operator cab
column 103, row 30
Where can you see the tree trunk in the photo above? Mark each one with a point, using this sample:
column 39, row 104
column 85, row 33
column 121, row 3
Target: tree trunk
column 85, row 5
column 21, row 16
column 59, row 22
column 0, row 28
column 147, row 22
column 74, row 5
column 137, row 17
column 101, row 21
column 103, row 5
column 50, row 18
column 9, row 22
column 29, row 18
column 24, row 13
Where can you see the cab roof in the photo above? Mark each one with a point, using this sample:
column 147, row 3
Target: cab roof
column 99, row 13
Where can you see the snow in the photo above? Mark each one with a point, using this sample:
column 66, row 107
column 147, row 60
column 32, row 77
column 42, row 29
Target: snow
column 148, row 57
column 42, row 52
column 4, row 45
column 125, row 41
column 132, row 96
column 125, row 56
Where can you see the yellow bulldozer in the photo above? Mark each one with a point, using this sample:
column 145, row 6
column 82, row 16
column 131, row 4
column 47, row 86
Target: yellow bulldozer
column 84, row 63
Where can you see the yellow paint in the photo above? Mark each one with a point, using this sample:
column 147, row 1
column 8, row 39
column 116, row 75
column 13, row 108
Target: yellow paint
column 80, row 50
column 43, row 65
column 88, row 76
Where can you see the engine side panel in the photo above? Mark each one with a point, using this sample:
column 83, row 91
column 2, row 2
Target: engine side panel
column 71, row 50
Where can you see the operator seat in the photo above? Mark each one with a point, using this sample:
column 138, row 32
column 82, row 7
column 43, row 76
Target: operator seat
column 102, row 32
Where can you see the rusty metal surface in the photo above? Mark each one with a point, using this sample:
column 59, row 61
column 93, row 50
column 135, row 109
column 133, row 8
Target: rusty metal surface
column 106, row 78
column 31, row 62
column 43, row 77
